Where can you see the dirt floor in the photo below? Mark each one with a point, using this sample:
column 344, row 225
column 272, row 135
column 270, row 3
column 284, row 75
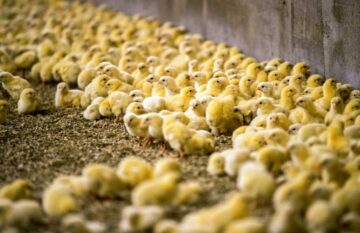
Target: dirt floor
column 41, row 147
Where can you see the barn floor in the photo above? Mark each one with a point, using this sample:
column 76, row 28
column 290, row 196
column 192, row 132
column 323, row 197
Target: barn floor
column 54, row 142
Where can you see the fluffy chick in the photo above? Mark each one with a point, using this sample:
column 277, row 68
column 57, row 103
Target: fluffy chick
column 133, row 171
column 246, row 225
column 64, row 97
column 14, row 85
column 29, row 102
column 19, row 189
column 136, row 219
column 103, row 181
column 58, row 200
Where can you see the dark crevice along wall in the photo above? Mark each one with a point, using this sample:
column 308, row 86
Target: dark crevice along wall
column 324, row 33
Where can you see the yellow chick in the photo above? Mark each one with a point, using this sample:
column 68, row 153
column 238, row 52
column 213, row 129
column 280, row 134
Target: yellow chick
column 300, row 68
column 136, row 108
column 19, row 189
column 214, row 87
column 77, row 184
column 255, row 181
column 24, row 212
column 315, row 80
column 167, row 165
column 351, row 106
column 133, row 171
column 170, row 85
column 277, row 136
column 157, row 191
column 234, row 158
column 336, row 109
column 200, row 143
column 114, row 73
column 4, row 109
column 187, row 193
column 320, row 218
column 97, row 87
column 315, row 113
column 29, row 102
column 57, row 200
column 266, row 106
column 69, row 72
column 166, row 226
column 118, row 85
column 181, row 101
column 153, row 122
column 75, row 223
column 133, row 125
column 92, row 112
column 251, row 141
column 137, row 219
column 103, row 181
column 287, row 219
column 13, row 85
column 336, row 139
column 246, row 225
column 119, row 102
column 272, row 157
column 184, row 80
column 199, row 79
column 26, row 59
column 154, row 103
column 216, row 164
column 329, row 91
column 64, row 97
column 285, row 68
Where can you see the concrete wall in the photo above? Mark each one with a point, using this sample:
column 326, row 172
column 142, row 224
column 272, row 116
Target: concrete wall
column 325, row 33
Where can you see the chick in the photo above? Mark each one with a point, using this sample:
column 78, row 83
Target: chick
column 14, row 85
column 300, row 68
column 58, row 200
column 336, row 108
column 136, row 219
column 234, row 158
column 255, row 181
column 77, row 184
column 167, row 165
column 92, row 112
column 320, row 217
column 118, row 85
column 135, row 108
column 85, row 77
column 133, row 125
column 336, row 139
column 26, row 59
column 74, row 223
column 19, row 189
column 157, row 191
column 170, row 85
column 166, row 226
column 68, row 72
column 315, row 80
column 251, row 141
column 187, row 193
column 272, row 157
column 216, row 164
column 24, row 212
column 134, row 171
column 103, row 181
column 29, row 102
column 285, row 220
column 65, row 97
column 277, row 136
column 266, row 106
column 4, row 109
column 246, row 225
column 200, row 143
column 154, row 103
column 119, row 102
column 97, row 87
column 153, row 122
column 286, row 97
column 329, row 90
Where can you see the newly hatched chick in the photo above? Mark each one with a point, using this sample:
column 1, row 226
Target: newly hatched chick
column 336, row 109
column 119, row 101
column 118, row 85
column 29, row 102
column 97, row 87
column 4, row 109
column 92, row 112
column 103, row 181
column 234, row 158
column 181, row 101
column 154, row 103
column 170, row 85
column 135, row 108
column 216, row 164
column 65, row 97
column 133, row 171
column 166, row 226
column 136, row 219
column 24, row 212
column 272, row 157
column 85, row 77
column 286, row 220
column 254, row 180
column 58, row 200
column 200, row 143
column 157, row 191
column 187, row 193
column 320, row 217
column 133, row 125
column 14, row 85
column 19, row 189
column 246, row 225
column 315, row 80
column 75, row 223
column 153, row 122
column 68, row 71
column 167, row 165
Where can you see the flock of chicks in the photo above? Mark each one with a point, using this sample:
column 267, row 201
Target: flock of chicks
column 295, row 135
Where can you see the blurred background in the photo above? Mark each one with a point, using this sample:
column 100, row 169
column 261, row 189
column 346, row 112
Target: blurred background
column 324, row 33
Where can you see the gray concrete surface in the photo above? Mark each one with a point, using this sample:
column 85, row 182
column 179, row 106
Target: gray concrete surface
column 324, row 33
